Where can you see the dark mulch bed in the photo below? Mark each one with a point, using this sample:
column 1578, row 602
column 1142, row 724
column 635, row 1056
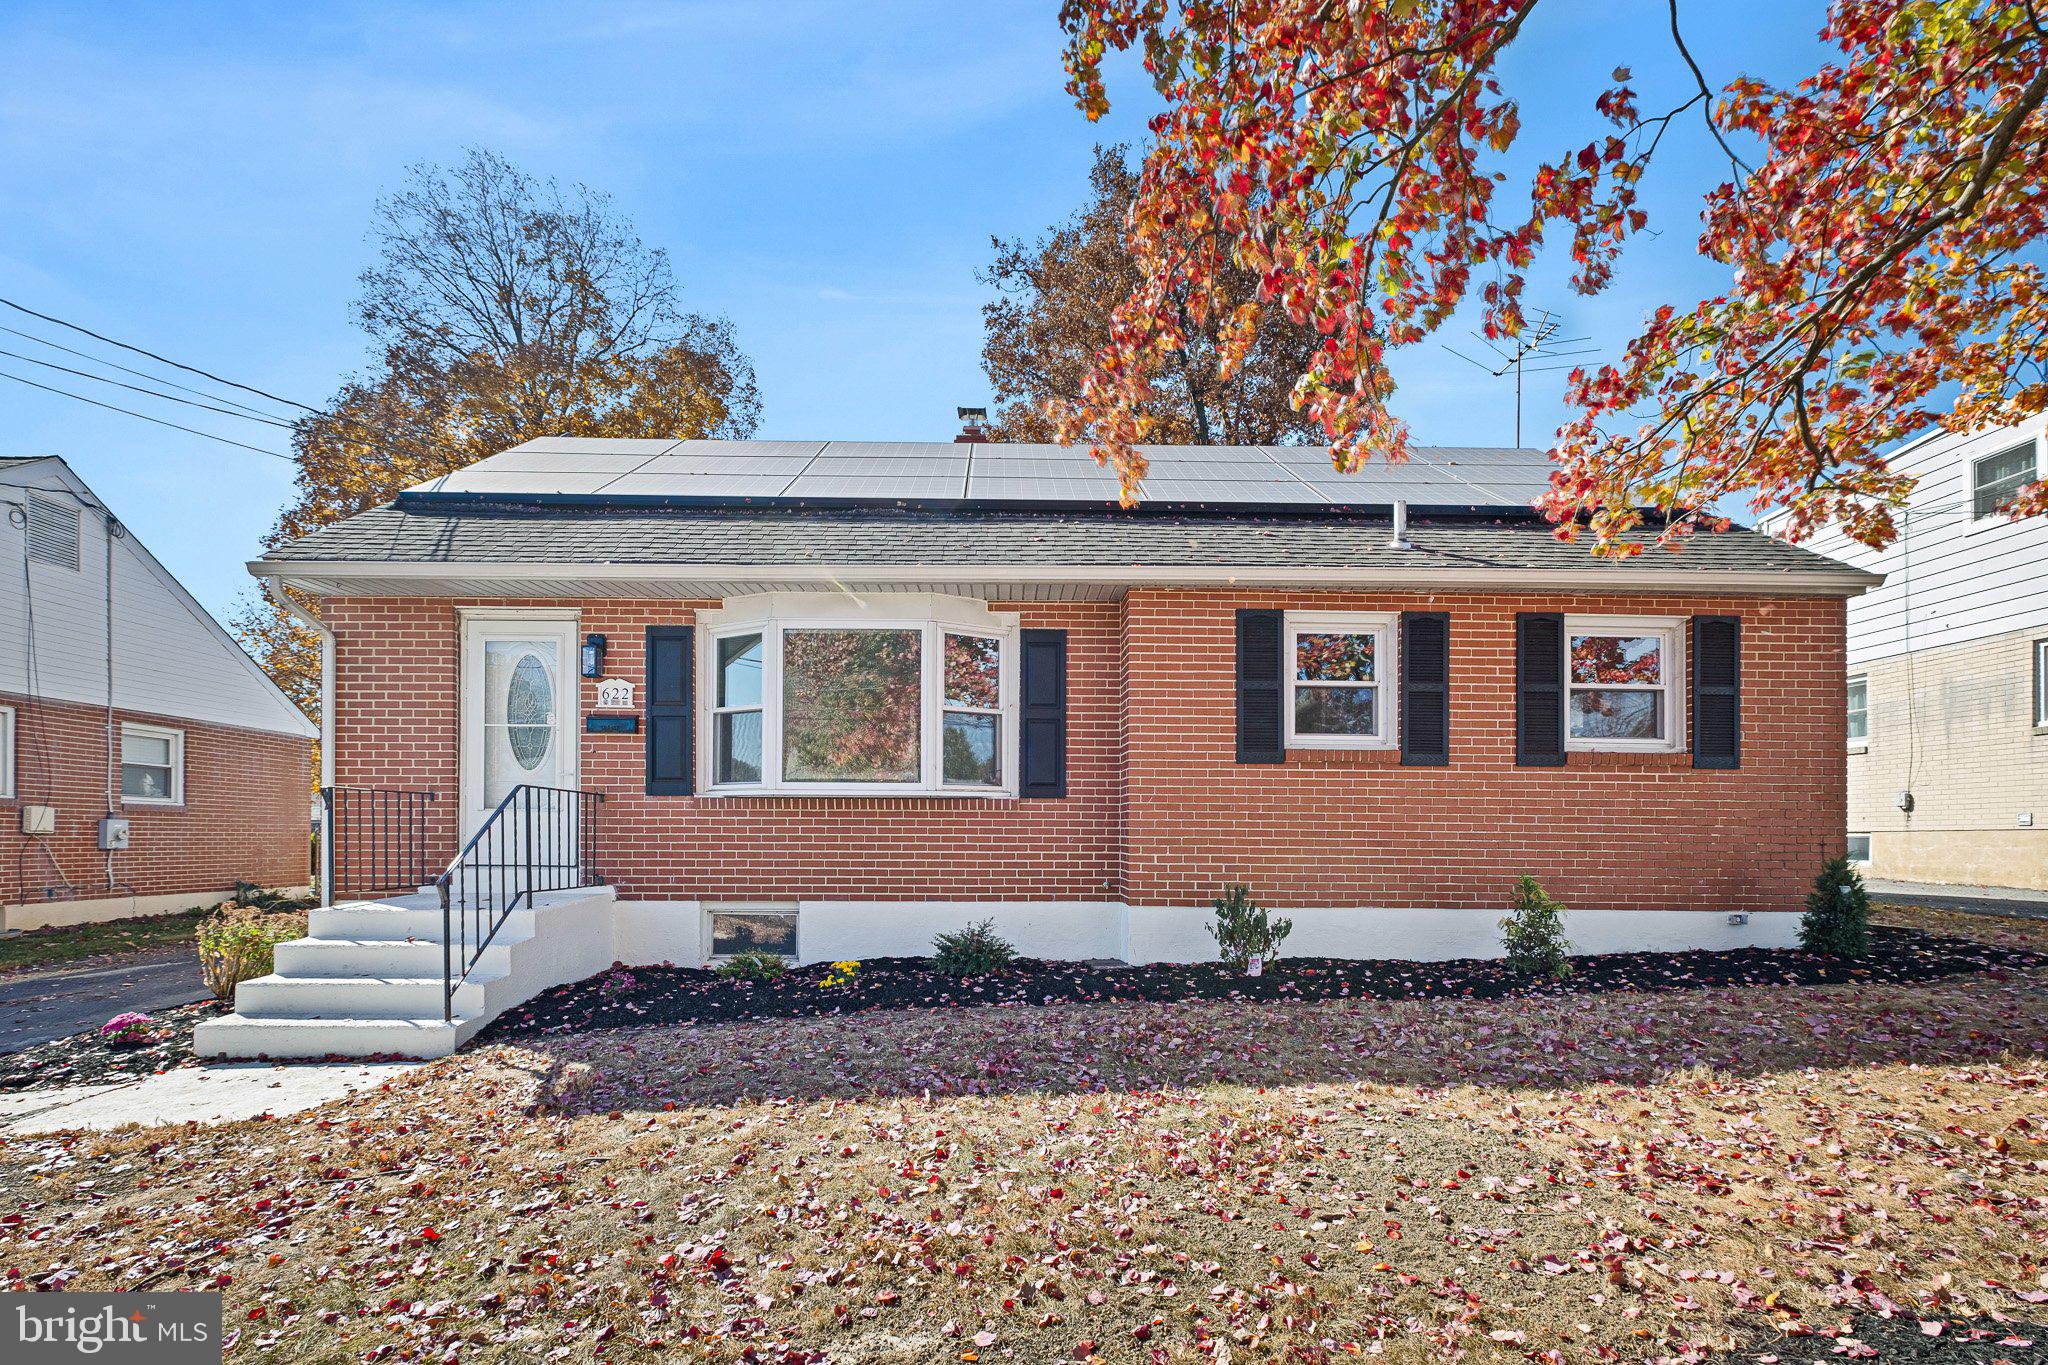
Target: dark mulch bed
column 632, row 997
column 1902, row 1339
column 82, row 1059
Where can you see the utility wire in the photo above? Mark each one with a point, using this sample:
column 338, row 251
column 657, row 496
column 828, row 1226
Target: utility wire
column 146, row 417
column 124, row 369
column 153, row 393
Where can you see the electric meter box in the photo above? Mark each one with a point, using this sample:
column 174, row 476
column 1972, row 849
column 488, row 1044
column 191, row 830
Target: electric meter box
column 113, row 833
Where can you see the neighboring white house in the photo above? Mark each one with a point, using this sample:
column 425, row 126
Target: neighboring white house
column 146, row 762
column 1948, row 671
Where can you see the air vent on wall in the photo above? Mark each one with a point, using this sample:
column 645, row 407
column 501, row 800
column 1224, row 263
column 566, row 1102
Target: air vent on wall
column 52, row 532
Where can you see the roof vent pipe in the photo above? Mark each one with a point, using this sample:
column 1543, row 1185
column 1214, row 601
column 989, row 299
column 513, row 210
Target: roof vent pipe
column 1400, row 540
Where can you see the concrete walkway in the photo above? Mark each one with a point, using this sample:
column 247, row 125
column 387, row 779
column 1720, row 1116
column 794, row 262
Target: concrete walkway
column 38, row 1006
column 220, row 1093
column 1975, row 900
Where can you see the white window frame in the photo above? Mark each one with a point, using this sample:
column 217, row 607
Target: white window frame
column 1673, row 684
column 1863, row 740
column 177, row 739
column 6, row 753
column 1865, row 859
column 1385, row 628
column 1995, row 516
column 932, row 614
column 780, row 909
column 2041, row 684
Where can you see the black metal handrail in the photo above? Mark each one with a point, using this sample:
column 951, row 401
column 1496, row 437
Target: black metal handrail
column 538, row 839
column 373, row 839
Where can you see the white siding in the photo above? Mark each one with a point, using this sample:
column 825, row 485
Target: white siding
column 170, row 657
column 1963, row 579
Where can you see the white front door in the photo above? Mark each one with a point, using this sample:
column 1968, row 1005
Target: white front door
column 519, row 709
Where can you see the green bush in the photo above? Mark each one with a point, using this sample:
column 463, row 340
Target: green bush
column 1533, row 933
column 1243, row 930
column 753, row 965
column 976, row 950
column 237, row 945
column 1837, row 918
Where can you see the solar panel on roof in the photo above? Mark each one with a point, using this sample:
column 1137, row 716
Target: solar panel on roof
column 1037, row 472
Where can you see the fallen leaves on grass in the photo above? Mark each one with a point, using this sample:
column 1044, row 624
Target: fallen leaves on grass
column 1621, row 1176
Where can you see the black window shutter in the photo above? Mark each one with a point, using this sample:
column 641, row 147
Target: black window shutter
column 671, row 712
column 1425, row 688
column 1260, row 738
column 1716, row 691
column 1043, row 741
column 1539, row 689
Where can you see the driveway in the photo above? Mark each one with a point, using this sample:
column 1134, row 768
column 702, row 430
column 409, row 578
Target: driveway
column 36, row 1007
column 1974, row 900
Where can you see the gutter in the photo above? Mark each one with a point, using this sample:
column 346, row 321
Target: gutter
column 1837, row 582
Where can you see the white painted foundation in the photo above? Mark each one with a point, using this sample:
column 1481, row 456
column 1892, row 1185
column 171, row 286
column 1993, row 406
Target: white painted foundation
column 46, row 914
column 649, row 932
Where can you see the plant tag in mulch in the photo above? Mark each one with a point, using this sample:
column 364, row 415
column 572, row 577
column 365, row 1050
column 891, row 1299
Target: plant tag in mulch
column 1255, row 965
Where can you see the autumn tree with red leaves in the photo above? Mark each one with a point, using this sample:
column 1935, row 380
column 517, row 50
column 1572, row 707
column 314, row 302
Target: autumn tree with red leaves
column 1880, row 225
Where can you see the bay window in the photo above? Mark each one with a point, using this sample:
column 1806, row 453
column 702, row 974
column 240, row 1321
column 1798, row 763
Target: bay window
column 1624, row 683
column 817, row 695
column 1340, row 681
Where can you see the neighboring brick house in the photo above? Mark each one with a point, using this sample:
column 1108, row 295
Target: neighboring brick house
column 146, row 762
column 1948, row 671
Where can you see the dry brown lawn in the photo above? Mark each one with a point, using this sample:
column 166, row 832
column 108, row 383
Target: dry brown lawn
column 1619, row 1177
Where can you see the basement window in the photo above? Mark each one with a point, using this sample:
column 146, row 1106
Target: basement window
column 824, row 695
column 1859, row 848
column 753, row 929
column 1624, row 683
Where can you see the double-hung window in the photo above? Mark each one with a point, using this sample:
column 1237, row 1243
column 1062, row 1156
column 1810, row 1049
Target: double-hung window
column 152, row 765
column 2041, row 684
column 1624, row 683
column 1997, row 479
column 6, row 752
column 823, row 695
column 1341, row 674
column 1859, row 710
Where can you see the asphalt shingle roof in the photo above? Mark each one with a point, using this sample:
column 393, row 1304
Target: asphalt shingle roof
column 790, row 536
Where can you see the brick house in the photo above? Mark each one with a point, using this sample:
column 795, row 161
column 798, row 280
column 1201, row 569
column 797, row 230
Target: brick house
column 146, row 763
column 829, row 698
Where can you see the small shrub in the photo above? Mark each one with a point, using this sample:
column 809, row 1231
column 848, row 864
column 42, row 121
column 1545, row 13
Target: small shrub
column 842, row 974
column 753, row 965
column 976, row 950
column 1244, row 930
column 1837, row 918
column 131, row 1029
column 237, row 945
column 1533, row 933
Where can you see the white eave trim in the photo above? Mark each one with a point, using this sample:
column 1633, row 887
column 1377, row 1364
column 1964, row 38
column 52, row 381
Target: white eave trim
column 1844, row 582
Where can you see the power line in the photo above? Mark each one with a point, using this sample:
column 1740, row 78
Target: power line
column 124, row 369
column 402, row 442
column 137, row 388
column 162, row 360
column 130, row 412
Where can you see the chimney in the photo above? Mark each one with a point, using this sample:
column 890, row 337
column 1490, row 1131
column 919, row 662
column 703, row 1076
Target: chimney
column 972, row 426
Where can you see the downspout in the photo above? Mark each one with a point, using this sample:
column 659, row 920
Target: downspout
column 275, row 591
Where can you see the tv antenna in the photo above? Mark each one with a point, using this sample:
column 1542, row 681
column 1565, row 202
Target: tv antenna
column 1539, row 341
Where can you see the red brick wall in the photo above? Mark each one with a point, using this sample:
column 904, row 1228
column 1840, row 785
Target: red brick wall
column 244, row 817
column 1157, row 811
column 1606, row 830
column 397, row 667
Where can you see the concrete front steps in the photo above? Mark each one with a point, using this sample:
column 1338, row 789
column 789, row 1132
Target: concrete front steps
column 367, row 981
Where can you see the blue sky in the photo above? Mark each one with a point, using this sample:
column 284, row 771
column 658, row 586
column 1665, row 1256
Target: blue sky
column 198, row 178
